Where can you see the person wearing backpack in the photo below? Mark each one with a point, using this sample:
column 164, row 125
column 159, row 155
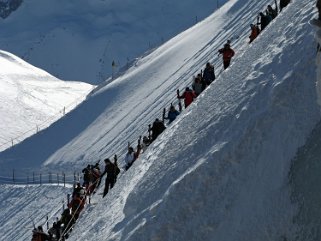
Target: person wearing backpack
column 172, row 114
column 271, row 12
column 188, row 97
column 227, row 53
column 209, row 74
column 110, row 169
column 284, row 3
column 157, row 128
column 265, row 20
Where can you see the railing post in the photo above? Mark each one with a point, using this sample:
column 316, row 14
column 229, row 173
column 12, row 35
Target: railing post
column 13, row 178
column 47, row 222
column 64, row 179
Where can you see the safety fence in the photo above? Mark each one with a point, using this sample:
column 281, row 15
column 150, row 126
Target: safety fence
column 41, row 178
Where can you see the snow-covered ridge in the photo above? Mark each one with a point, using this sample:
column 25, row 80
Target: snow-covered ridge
column 221, row 171
column 32, row 99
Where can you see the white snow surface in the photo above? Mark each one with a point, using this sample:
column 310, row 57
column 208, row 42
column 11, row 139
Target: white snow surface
column 32, row 99
column 223, row 170
column 79, row 39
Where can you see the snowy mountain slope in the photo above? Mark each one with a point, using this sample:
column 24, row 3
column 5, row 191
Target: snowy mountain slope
column 220, row 172
column 32, row 204
column 32, row 99
column 79, row 39
column 228, row 177
column 121, row 111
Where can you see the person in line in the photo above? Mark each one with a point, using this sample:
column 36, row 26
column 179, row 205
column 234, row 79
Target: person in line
column 254, row 32
column 86, row 172
column 94, row 178
column 265, row 20
column 39, row 235
column 129, row 158
column 55, row 231
column 110, row 169
column 77, row 190
column 157, row 128
column 209, row 74
column 198, row 85
column 172, row 114
column 77, row 204
column 146, row 143
column 66, row 222
column 188, row 97
column 227, row 53
column 271, row 12
column 284, row 3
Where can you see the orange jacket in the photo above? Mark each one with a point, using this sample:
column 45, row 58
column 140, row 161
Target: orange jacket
column 228, row 53
column 254, row 33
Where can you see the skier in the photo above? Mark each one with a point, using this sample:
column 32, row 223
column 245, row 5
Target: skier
column 271, row 12
column 227, row 53
column 157, row 128
column 265, row 20
column 110, row 169
column 172, row 114
column 284, row 3
column 254, row 32
column 209, row 74
column 188, row 97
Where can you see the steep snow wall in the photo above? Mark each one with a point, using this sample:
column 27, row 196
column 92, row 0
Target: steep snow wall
column 222, row 171
column 305, row 172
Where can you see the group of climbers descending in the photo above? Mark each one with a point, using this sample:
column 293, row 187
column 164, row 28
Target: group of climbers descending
column 92, row 175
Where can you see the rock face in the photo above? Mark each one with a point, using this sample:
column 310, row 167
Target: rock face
column 8, row 6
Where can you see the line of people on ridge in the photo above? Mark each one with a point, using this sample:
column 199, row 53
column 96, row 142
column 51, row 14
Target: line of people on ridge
column 92, row 175
column 264, row 19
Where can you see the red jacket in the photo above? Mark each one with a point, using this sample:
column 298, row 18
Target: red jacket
column 188, row 97
column 228, row 53
column 254, row 33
